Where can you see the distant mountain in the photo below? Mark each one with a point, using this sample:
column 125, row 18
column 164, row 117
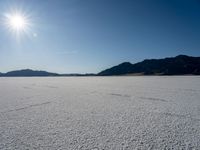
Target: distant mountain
column 179, row 65
column 28, row 73
column 35, row 73
column 78, row 74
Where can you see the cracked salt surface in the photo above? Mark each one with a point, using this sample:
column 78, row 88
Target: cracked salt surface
column 96, row 113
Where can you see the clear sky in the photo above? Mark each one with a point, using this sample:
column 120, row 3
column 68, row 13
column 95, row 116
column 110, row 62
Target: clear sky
column 87, row 36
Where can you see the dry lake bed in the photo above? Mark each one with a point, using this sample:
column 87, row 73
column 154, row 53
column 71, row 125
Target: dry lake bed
column 100, row 113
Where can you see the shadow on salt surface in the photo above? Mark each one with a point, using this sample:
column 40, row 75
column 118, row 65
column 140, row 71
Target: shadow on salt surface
column 31, row 97
column 129, row 96
column 95, row 148
column 121, row 95
column 112, row 94
column 49, row 86
column 27, row 88
column 153, row 99
column 26, row 107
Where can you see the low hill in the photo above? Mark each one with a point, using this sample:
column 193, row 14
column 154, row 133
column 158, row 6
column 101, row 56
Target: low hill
column 179, row 65
column 27, row 73
column 35, row 73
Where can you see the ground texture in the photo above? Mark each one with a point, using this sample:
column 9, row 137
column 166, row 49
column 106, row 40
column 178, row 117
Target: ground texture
column 100, row 113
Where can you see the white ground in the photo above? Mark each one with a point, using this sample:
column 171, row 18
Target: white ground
column 100, row 113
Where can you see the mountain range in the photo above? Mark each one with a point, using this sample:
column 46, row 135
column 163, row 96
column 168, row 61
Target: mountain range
column 179, row 65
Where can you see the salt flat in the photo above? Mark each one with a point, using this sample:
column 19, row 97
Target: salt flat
column 100, row 113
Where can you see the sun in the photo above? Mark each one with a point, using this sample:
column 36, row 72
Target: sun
column 17, row 22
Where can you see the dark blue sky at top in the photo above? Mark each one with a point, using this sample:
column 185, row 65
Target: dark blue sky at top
column 91, row 35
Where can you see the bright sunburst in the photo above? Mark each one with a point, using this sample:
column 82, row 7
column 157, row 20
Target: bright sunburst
column 17, row 23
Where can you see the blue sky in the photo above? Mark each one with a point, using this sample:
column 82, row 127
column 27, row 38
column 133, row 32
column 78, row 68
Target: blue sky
column 84, row 36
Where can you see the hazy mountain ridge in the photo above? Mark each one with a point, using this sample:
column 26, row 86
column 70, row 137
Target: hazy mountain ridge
column 28, row 72
column 179, row 65
column 35, row 73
